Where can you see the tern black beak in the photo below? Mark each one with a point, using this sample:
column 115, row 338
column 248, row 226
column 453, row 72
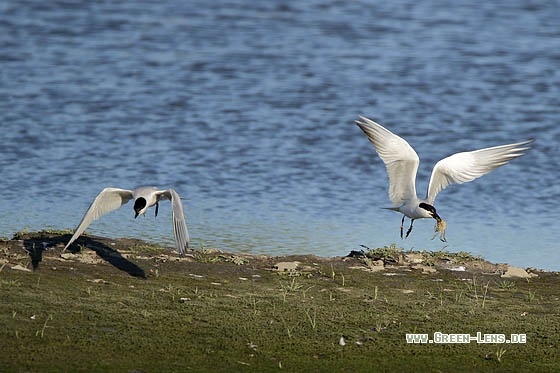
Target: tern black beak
column 431, row 210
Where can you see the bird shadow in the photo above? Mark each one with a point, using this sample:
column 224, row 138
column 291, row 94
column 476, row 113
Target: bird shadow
column 35, row 247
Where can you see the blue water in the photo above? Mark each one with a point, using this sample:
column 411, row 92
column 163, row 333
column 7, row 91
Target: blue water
column 247, row 109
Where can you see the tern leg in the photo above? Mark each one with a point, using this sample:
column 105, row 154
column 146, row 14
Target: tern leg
column 410, row 228
column 402, row 225
column 157, row 206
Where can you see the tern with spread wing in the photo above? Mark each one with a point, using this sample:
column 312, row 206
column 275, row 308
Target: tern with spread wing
column 112, row 198
column 402, row 162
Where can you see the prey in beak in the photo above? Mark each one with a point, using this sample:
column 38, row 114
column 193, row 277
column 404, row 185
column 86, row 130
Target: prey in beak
column 440, row 227
column 441, row 224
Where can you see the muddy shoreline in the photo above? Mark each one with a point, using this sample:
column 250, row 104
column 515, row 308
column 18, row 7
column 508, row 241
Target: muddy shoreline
column 124, row 304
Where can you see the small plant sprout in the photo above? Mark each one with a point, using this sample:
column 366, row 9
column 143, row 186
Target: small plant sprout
column 42, row 331
column 471, row 287
column 312, row 318
column 458, row 295
column 484, row 293
column 507, row 285
column 387, row 254
column 253, row 304
column 292, row 286
column 304, row 292
column 288, row 329
column 531, row 295
column 500, row 354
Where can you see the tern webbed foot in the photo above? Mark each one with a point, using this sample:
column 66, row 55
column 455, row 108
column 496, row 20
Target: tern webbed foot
column 402, row 227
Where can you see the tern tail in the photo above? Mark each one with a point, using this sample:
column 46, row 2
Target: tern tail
column 391, row 208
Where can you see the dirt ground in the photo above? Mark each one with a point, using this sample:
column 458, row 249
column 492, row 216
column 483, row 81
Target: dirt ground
column 127, row 305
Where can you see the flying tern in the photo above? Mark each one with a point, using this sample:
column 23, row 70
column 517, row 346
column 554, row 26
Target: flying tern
column 402, row 162
column 110, row 199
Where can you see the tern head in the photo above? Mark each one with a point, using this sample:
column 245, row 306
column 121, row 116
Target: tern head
column 431, row 210
column 139, row 205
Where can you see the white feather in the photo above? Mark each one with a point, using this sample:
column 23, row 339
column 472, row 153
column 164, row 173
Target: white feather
column 402, row 163
column 110, row 199
column 468, row 166
column 399, row 157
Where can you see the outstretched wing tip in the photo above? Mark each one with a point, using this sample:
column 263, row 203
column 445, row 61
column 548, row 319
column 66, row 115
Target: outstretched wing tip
column 363, row 121
column 107, row 200
column 180, row 229
column 463, row 167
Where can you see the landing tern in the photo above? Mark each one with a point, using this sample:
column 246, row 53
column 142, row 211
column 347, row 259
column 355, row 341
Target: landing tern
column 402, row 163
column 110, row 199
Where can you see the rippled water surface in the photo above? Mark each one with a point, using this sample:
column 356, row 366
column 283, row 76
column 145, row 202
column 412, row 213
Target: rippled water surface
column 247, row 109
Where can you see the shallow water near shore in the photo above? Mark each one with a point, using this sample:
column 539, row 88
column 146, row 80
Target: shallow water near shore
column 247, row 111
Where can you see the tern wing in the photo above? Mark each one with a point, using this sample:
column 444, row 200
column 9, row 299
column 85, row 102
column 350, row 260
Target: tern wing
column 179, row 225
column 399, row 157
column 108, row 200
column 467, row 166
